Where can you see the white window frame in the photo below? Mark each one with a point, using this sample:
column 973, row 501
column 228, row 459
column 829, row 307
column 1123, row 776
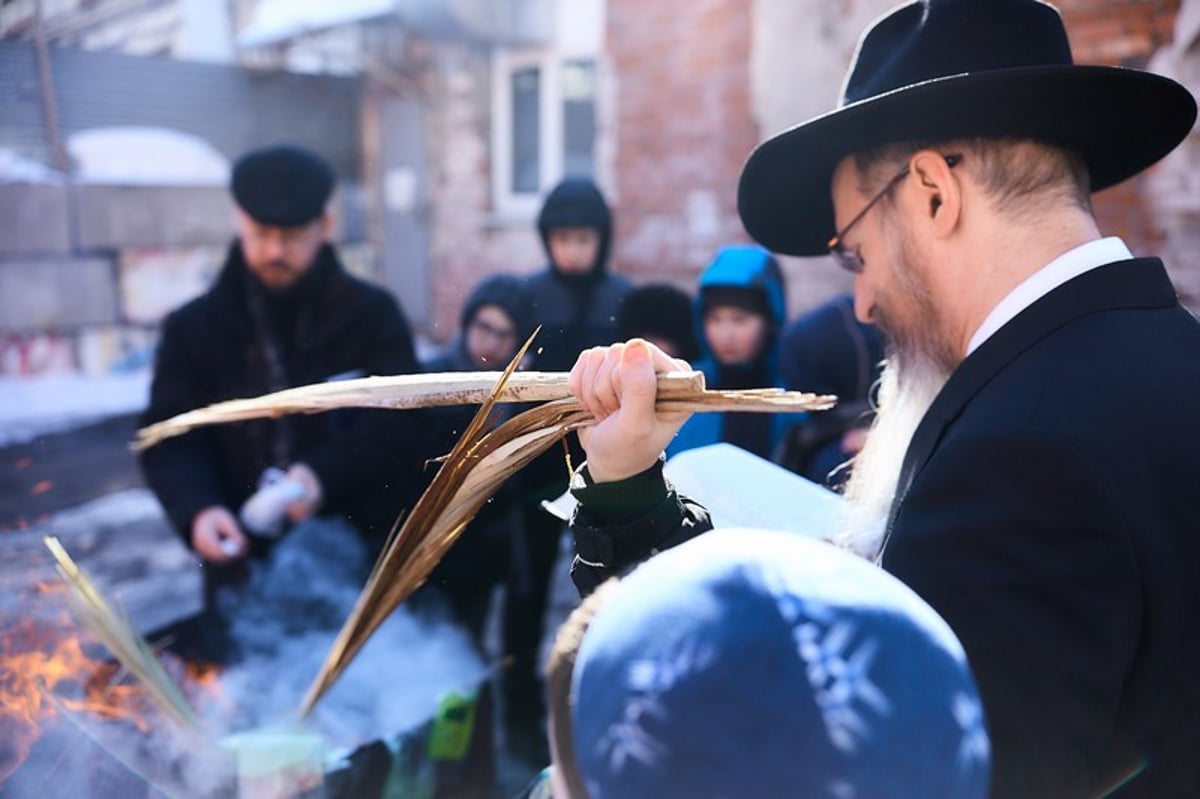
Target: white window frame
column 505, row 63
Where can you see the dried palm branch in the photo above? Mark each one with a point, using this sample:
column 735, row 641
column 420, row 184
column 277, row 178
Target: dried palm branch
column 112, row 626
column 475, row 469
column 461, row 388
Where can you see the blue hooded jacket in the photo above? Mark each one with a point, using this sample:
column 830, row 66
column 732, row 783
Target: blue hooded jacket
column 742, row 266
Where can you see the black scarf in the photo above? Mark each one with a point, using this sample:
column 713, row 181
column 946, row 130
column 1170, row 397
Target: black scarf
column 282, row 319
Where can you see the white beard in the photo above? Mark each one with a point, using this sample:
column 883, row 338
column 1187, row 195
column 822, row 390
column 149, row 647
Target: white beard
column 908, row 386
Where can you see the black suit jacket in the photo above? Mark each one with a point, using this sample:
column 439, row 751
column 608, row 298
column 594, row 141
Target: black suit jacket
column 1050, row 511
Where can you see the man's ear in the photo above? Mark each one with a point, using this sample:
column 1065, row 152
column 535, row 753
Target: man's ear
column 328, row 225
column 941, row 190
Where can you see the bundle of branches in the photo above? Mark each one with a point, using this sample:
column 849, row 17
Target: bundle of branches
column 115, row 630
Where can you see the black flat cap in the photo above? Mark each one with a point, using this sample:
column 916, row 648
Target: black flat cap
column 283, row 185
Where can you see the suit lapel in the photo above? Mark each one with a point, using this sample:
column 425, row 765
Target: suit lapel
column 1138, row 283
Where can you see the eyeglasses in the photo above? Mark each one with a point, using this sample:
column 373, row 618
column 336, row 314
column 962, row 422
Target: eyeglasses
column 500, row 334
column 850, row 260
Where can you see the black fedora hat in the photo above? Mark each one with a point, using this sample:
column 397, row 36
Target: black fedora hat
column 943, row 69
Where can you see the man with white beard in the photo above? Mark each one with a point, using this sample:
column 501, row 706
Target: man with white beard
column 1035, row 460
column 907, row 388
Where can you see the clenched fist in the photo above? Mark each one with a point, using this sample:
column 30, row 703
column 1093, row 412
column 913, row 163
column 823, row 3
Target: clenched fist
column 618, row 385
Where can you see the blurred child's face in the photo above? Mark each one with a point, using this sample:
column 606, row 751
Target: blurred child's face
column 734, row 335
column 574, row 249
column 491, row 338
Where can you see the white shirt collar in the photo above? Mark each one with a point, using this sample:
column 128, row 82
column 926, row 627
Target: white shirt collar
column 1067, row 266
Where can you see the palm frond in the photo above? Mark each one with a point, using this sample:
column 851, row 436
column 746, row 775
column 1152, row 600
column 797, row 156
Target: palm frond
column 471, row 474
column 113, row 627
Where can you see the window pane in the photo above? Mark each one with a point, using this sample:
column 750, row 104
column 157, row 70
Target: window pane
column 526, row 132
column 579, row 118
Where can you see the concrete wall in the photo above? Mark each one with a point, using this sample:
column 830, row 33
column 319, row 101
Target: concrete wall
column 88, row 272
column 801, row 51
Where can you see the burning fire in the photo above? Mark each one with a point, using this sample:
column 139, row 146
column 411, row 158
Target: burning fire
column 45, row 667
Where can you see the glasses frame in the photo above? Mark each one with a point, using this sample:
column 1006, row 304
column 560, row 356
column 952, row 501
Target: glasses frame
column 494, row 333
column 850, row 260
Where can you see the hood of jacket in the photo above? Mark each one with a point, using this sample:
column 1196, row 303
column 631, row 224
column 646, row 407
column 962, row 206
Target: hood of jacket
column 742, row 266
column 573, row 203
column 508, row 293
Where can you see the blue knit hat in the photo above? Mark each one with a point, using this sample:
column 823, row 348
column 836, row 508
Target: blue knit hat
column 751, row 663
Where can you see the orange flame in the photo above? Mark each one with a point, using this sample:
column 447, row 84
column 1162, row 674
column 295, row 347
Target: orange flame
column 40, row 659
column 41, row 487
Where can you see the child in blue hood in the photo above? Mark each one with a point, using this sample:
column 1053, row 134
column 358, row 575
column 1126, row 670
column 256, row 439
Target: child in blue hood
column 740, row 307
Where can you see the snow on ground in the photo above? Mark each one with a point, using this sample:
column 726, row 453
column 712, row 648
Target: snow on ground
column 33, row 406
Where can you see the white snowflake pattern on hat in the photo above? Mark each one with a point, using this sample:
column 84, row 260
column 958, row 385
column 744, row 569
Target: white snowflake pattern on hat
column 647, row 680
column 840, row 678
column 838, row 673
column 975, row 748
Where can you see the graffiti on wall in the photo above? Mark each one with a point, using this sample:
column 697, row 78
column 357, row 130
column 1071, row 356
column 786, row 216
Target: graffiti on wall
column 35, row 354
column 155, row 281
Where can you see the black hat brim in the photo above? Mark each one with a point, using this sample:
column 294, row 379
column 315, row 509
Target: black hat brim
column 1120, row 120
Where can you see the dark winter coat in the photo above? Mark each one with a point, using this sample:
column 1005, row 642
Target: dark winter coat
column 828, row 351
column 211, row 350
column 1048, row 513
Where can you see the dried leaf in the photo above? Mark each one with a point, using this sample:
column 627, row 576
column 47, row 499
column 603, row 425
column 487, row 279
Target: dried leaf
column 112, row 626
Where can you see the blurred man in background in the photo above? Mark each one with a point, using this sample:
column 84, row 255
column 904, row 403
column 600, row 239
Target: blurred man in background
column 282, row 312
column 828, row 351
column 575, row 300
column 495, row 322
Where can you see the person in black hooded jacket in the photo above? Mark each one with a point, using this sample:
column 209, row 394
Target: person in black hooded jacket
column 576, row 302
column 495, row 322
column 575, row 298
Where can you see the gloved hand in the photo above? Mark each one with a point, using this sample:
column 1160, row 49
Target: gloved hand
column 295, row 494
column 216, row 536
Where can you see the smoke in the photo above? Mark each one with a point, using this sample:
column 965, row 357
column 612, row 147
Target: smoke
column 285, row 621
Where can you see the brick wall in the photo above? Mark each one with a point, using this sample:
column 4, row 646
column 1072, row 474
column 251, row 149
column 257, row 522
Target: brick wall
column 1118, row 32
column 1123, row 33
column 467, row 240
column 683, row 128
